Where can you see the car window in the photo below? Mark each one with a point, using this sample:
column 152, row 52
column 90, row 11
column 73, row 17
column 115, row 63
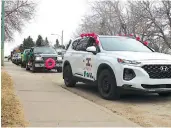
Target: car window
column 82, row 44
column 74, row 44
column 26, row 51
column 91, row 42
column 122, row 44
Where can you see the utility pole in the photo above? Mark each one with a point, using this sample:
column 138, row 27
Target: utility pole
column 62, row 37
column 2, row 33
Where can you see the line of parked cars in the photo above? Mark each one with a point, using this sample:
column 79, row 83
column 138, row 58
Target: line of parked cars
column 113, row 63
column 37, row 58
column 16, row 58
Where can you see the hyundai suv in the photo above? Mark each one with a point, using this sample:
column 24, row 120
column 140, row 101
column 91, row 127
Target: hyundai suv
column 116, row 62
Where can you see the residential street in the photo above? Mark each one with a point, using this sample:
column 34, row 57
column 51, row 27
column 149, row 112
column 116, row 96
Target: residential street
column 48, row 104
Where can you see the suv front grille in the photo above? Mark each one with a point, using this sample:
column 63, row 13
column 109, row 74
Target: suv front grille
column 158, row 71
column 45, row 58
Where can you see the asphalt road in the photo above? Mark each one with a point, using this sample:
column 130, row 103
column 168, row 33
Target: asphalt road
column 143, row 109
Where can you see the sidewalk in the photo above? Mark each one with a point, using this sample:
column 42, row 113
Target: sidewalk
column 46, row 104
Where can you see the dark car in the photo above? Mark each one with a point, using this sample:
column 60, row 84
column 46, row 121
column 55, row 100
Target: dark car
column 43, row 58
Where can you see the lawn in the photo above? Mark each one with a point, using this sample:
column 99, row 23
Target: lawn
column 12, row 114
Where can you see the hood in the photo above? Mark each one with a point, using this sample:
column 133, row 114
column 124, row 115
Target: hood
column 140, row 56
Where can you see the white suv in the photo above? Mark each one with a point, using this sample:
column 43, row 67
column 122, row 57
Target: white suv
column 114, row 62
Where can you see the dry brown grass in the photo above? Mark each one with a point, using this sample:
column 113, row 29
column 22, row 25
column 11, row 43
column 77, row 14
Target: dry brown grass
column 12, row 112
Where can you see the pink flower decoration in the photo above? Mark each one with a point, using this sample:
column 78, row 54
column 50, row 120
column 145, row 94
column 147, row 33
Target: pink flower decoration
column 138, row 38
column 146, row 43
column 97, row 42
column 82, row 35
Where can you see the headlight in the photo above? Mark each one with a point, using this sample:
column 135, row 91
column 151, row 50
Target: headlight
column 59, row 58
column 38, row 58
column 131, row 62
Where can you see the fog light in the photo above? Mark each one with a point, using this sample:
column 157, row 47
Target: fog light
column 128, row 74
column 59, row 58
column 126, row 85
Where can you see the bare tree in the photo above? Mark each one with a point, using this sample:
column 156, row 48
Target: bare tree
column 16, row 13
column 151, row 20
column 156, row 15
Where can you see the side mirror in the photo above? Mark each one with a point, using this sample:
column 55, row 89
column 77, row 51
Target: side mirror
column 91, row 49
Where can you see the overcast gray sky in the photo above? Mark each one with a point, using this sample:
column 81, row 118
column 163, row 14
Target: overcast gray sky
column 52, row 16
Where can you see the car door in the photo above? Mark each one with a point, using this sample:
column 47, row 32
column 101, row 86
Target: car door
column 80, row 52
column 89, row 62
column 73, row 56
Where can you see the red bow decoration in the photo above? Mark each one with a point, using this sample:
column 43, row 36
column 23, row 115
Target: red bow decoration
column 146, row 43
column 138, row 38
column 93, row 35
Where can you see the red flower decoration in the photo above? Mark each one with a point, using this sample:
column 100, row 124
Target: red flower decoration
column 93, row 34
column 120, row 35
column 138, row 38
column 95, row 37
column 88, row 34
column 131, row 35
column 97, row 42
column 82, row 35
column 145, row 43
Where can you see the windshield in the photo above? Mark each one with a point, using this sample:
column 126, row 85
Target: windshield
column 122, row 44
column 44, row 50
column 27, row 50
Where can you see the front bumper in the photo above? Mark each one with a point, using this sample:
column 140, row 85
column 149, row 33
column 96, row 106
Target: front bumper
column 39, row 64
column 18, row 60
column 142, row 81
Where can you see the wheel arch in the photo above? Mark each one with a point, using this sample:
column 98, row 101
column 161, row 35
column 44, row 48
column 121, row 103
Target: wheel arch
column 102, row 67
column 65, row 64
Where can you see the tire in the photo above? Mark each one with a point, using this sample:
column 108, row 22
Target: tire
column 27, row 68
column 33, row 68
column 68, row 77
column 59, row 69
column 22, row 65
column 165, row 94
column 107, row 85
